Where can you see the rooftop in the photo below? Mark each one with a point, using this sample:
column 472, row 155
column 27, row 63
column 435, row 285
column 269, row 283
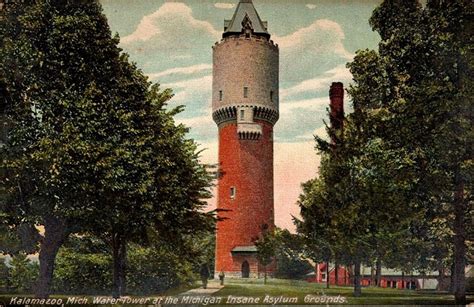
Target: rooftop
column 245, row 17
column 245, row 249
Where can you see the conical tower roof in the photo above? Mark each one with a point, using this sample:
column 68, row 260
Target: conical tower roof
column 245, row 16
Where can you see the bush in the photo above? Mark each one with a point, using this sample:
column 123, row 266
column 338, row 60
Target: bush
column 22, row 273
column 289, row 249
column 4, row 275
column 82, row 273
column 149, row 270
column 291, row 266
column 153, row 270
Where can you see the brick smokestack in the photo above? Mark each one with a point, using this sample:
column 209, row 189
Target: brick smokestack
column 336, row 105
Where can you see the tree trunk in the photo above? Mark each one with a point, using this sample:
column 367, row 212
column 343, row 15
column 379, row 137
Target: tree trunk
column 123, row 268
column 460, row 209
column 336, row 273
column 54, row 235
column 357, row 288
column 441, row 279
column 403, row 280
column 378, row 272
column 346, row 272
column 452, row 285
column 372, row 275
column 351, row 274
column 264, row 274
column 327, row 274
column 118, row 253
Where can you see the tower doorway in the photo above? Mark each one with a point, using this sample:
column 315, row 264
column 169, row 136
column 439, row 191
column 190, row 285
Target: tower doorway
column 245, row 269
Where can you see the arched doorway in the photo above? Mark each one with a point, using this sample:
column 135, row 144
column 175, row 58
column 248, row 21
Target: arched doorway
column 245, row 269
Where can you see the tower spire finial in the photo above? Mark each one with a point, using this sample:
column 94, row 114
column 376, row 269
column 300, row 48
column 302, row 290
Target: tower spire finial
column 245, row 14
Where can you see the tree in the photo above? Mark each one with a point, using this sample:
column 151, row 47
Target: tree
column 289, row 255
column 265, row 250
column 407, row 147
column 336, row 215
column 416, row 106
column 430, row 109
column 52, row 53
column 94, row 143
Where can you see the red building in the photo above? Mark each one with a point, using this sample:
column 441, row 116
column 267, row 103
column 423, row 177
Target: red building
column 343, row 275
column 389, row 278
column 245, row 109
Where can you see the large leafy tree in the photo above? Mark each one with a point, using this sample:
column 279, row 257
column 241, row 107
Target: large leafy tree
column 407, row 151
column 53, row 54
column 91, row 147
column 428, row 63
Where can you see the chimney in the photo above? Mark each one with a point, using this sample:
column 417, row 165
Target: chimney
column 336, row 96
column 336, row 105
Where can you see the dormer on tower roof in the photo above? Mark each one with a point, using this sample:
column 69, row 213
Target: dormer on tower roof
column 245, row 18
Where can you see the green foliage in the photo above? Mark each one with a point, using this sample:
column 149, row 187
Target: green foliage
column 289, row 256
column 266, row 246
column 153, row 270
column 18, row 238
column 4, row 275
column 91, row 145
column 150, row 270
column 397, row 189
column 79, row 272
column 22, row 273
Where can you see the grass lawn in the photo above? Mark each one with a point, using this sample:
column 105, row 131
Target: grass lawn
column 302, row 289
column 6, row 297
column 279, row 289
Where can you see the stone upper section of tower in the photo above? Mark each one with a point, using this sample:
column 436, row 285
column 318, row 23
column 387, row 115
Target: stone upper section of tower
column 245, row 72
column 245, row 18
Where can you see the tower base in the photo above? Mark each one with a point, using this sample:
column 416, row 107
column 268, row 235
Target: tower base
column 246, row 265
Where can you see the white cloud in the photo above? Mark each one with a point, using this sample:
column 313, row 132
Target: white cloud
column 311, row 6
column 202, row 126
column 181, row 70
column 203, row 120
column 221, row 5
column 338, row 73
column 310, row 50
column 312, row 103
column 320, row 132
column 171, row 31
column 197, row 83
column 321, row 36
column 170, row 16
column 195, row 95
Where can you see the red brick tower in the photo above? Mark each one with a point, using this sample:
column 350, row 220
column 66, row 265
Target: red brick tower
column 245, row 108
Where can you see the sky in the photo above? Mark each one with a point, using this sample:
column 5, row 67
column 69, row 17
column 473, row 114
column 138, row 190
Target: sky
column 171, row 43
